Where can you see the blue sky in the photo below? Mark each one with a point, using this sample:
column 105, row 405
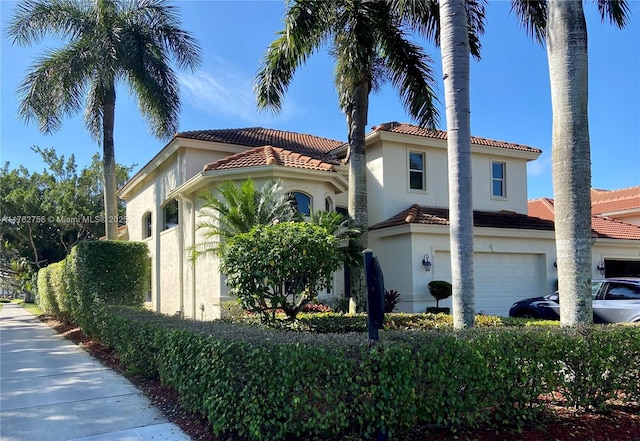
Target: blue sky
column 510, row 98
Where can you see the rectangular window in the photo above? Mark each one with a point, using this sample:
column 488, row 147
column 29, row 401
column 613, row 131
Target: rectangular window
column 416, row 171
column 498, row 180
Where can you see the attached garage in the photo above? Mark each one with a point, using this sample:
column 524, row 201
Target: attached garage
column 500, row 279
column 622, row 268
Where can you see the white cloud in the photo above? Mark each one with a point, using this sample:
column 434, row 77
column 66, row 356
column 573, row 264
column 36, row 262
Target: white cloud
column 540, row 166
column 223, row 89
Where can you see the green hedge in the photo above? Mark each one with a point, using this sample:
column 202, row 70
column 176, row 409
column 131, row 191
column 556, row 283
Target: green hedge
column 94, row 273
column 266, row 384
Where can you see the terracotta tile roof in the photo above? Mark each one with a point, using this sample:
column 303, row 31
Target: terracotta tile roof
column 269, row 155
column 409, row 129
column 613, row 229
column 542, row 208
column 418, row 214
column 607, row 201
column 258, row 137
column 601, row 226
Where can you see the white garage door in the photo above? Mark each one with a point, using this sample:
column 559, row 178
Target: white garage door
column 500, row 279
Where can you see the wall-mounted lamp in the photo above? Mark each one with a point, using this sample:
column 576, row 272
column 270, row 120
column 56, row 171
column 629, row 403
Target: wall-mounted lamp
column 426, row 263
column 555, row 263
column 600, row 267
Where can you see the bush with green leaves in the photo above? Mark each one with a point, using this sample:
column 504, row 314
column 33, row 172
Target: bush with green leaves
column 332, row 386
column 95, row 273
column 440, row 290
column 280, row 266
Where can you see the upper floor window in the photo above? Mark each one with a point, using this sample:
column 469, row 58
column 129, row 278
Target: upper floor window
column 301, row 202
column 146, row 225
column 170, row 214
column 328, row 204
column 416, row 171
column 498, row 179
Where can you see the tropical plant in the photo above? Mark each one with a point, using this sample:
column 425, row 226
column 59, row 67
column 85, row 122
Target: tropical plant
column 369, row 43
column 235, row 209
column 391, row 299
column 561, row 24
column 108, row 41
column 280, row 266
column 440, row 290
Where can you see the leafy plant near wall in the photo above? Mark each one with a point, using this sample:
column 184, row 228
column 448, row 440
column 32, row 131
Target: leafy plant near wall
column 440, row 290
column 280, row 266
column 391, row 299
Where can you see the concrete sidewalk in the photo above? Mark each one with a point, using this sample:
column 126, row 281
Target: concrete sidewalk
column 50, row 389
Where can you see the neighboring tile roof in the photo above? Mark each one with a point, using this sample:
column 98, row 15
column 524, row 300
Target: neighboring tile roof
column 269, row 155
column 258, row 137
column 607, row 201
column 409, row 129
column 601, row 226
column 542, row 208
column 613, row 229
column 418, row 214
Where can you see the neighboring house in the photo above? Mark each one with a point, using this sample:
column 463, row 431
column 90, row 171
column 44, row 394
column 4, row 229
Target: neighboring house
column 408, row 199
column 615, row 229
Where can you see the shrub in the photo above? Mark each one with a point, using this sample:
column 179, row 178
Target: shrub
column 280, row 266
column 333, row 386
column 440, row 290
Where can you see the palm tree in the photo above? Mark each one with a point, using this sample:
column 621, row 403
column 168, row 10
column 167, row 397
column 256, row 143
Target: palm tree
column 561, row 23
column 108, row 41
column 369, row 44
column 237, row 209
column 455, row 25
column 455, row 50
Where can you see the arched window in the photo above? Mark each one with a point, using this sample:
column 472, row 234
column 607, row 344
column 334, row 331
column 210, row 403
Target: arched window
column 328, row 204
column 301, row 202
column 170, row 214
column 146, row 225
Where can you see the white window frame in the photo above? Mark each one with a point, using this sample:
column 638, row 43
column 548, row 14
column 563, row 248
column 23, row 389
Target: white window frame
column 502, row 180
column 422, row 171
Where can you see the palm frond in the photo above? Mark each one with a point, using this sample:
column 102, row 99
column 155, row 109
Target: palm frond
column 54, row 86
column 161, row 22
column 410, row 73
column 307, row 28
column 533, row 17
column 34, row 19
column 423, row 16
column 617, row 11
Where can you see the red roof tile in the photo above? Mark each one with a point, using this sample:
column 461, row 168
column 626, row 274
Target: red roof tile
column 258, row 137
column 409, row 129
column 601, row 226
column 268, row 155
column 613, row 229
column 418, row 214
column 607, row 201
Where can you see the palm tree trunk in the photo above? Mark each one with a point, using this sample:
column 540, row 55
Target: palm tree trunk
column 455, row 52
column 109, row 167
column 357, row 120
column 568, row 73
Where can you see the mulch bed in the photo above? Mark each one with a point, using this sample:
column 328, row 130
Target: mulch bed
column 622, row 423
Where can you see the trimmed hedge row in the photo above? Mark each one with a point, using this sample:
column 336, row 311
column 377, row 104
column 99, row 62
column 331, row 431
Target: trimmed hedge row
column 266, row 384
column 94, row 273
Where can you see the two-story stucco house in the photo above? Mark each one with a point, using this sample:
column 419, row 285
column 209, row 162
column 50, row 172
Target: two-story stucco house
column 407, row 197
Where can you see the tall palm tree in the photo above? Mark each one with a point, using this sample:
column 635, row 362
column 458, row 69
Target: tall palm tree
column 561, row 24
column 455, row 50
column 108, row 41
column 369, row 44
column 455, row 25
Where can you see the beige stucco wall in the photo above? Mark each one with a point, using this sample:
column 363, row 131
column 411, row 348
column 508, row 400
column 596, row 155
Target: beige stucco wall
column 388, row 178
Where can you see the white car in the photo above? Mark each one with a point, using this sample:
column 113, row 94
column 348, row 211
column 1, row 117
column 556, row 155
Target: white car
column 615, row 300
